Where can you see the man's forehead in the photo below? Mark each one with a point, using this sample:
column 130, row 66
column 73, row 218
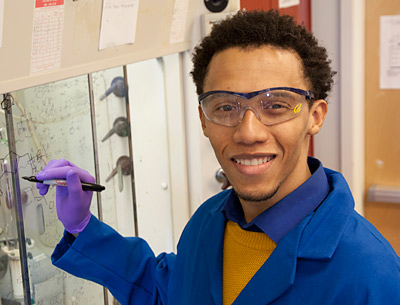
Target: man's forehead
column 238, row 68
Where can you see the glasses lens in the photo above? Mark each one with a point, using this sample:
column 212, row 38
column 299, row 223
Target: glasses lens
column 222, row 108
column 278, row 106
column 271, row 107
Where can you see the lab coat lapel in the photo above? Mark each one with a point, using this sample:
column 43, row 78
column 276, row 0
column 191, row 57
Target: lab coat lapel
column 213, row 247
column 278, row 272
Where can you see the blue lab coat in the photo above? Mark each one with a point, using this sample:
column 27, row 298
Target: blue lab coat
column 334, row 256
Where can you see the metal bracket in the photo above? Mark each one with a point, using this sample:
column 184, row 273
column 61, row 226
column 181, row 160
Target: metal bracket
column 7, row 102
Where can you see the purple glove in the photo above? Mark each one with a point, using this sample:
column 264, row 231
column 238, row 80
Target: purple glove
column 72, row 202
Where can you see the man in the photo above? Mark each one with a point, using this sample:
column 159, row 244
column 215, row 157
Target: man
column 287, row 233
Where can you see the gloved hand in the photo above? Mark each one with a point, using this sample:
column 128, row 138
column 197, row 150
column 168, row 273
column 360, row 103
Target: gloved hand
column 72, row 202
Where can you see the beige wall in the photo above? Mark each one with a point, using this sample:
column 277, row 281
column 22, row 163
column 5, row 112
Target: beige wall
column 382, row 127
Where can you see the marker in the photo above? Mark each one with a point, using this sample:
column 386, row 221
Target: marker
column 62, row 182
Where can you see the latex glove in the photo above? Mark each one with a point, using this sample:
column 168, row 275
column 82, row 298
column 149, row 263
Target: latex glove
column 72, row 202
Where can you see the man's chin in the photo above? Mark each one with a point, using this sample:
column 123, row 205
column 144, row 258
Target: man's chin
column 255, row 197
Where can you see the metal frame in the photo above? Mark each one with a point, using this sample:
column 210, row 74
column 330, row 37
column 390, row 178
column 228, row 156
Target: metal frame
column 96, row 159
column 128, row 116
column 7, row 107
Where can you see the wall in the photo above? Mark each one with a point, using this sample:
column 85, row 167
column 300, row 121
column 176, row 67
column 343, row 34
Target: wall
column 382, row 128
column 326, row 27
column 340, row 145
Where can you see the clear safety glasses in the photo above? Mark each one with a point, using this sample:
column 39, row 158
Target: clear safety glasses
column 271, row 106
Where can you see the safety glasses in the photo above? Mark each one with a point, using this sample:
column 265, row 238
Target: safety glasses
column 271, row 106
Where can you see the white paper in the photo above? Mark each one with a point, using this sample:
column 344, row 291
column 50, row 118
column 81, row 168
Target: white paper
column 118, row 23
column 178, row 23
column 390, row 52
column 288, row 3
column 1, row 21
column 47, row 35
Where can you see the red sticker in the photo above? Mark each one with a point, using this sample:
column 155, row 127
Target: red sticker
column 47, row 3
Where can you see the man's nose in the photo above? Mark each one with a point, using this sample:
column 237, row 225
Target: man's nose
column 250, row 130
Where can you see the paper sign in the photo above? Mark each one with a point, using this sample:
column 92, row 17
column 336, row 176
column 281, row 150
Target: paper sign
column 390, row 52
column 178, row 24
column 288, row 3
column 48, row 25
column 118, row 23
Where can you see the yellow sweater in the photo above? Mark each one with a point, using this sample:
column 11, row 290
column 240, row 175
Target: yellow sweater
column 244, row 253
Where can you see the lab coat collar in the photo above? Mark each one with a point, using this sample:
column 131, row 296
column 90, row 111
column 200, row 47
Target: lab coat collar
column 322, row 235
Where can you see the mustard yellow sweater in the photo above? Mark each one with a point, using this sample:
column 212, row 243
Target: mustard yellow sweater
column 244, row 253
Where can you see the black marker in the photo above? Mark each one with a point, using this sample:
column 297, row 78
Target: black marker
column 62, row 182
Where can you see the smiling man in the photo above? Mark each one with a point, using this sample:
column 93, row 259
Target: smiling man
column 286, row 233
column 262, row 149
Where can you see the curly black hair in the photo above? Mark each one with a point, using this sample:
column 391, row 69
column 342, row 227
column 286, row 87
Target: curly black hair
column 251, row 29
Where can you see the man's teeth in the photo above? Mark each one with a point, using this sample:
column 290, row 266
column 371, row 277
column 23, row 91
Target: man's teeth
column 254, row 161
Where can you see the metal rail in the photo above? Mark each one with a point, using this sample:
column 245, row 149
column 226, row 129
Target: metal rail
column 96, row 160
column 6, row 105
column 131, row 151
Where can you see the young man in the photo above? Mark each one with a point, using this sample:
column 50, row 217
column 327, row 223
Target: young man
column 287, row 232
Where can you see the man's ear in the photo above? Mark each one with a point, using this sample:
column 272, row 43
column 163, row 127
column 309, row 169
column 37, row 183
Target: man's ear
column 203, row 121
column 317, row 116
